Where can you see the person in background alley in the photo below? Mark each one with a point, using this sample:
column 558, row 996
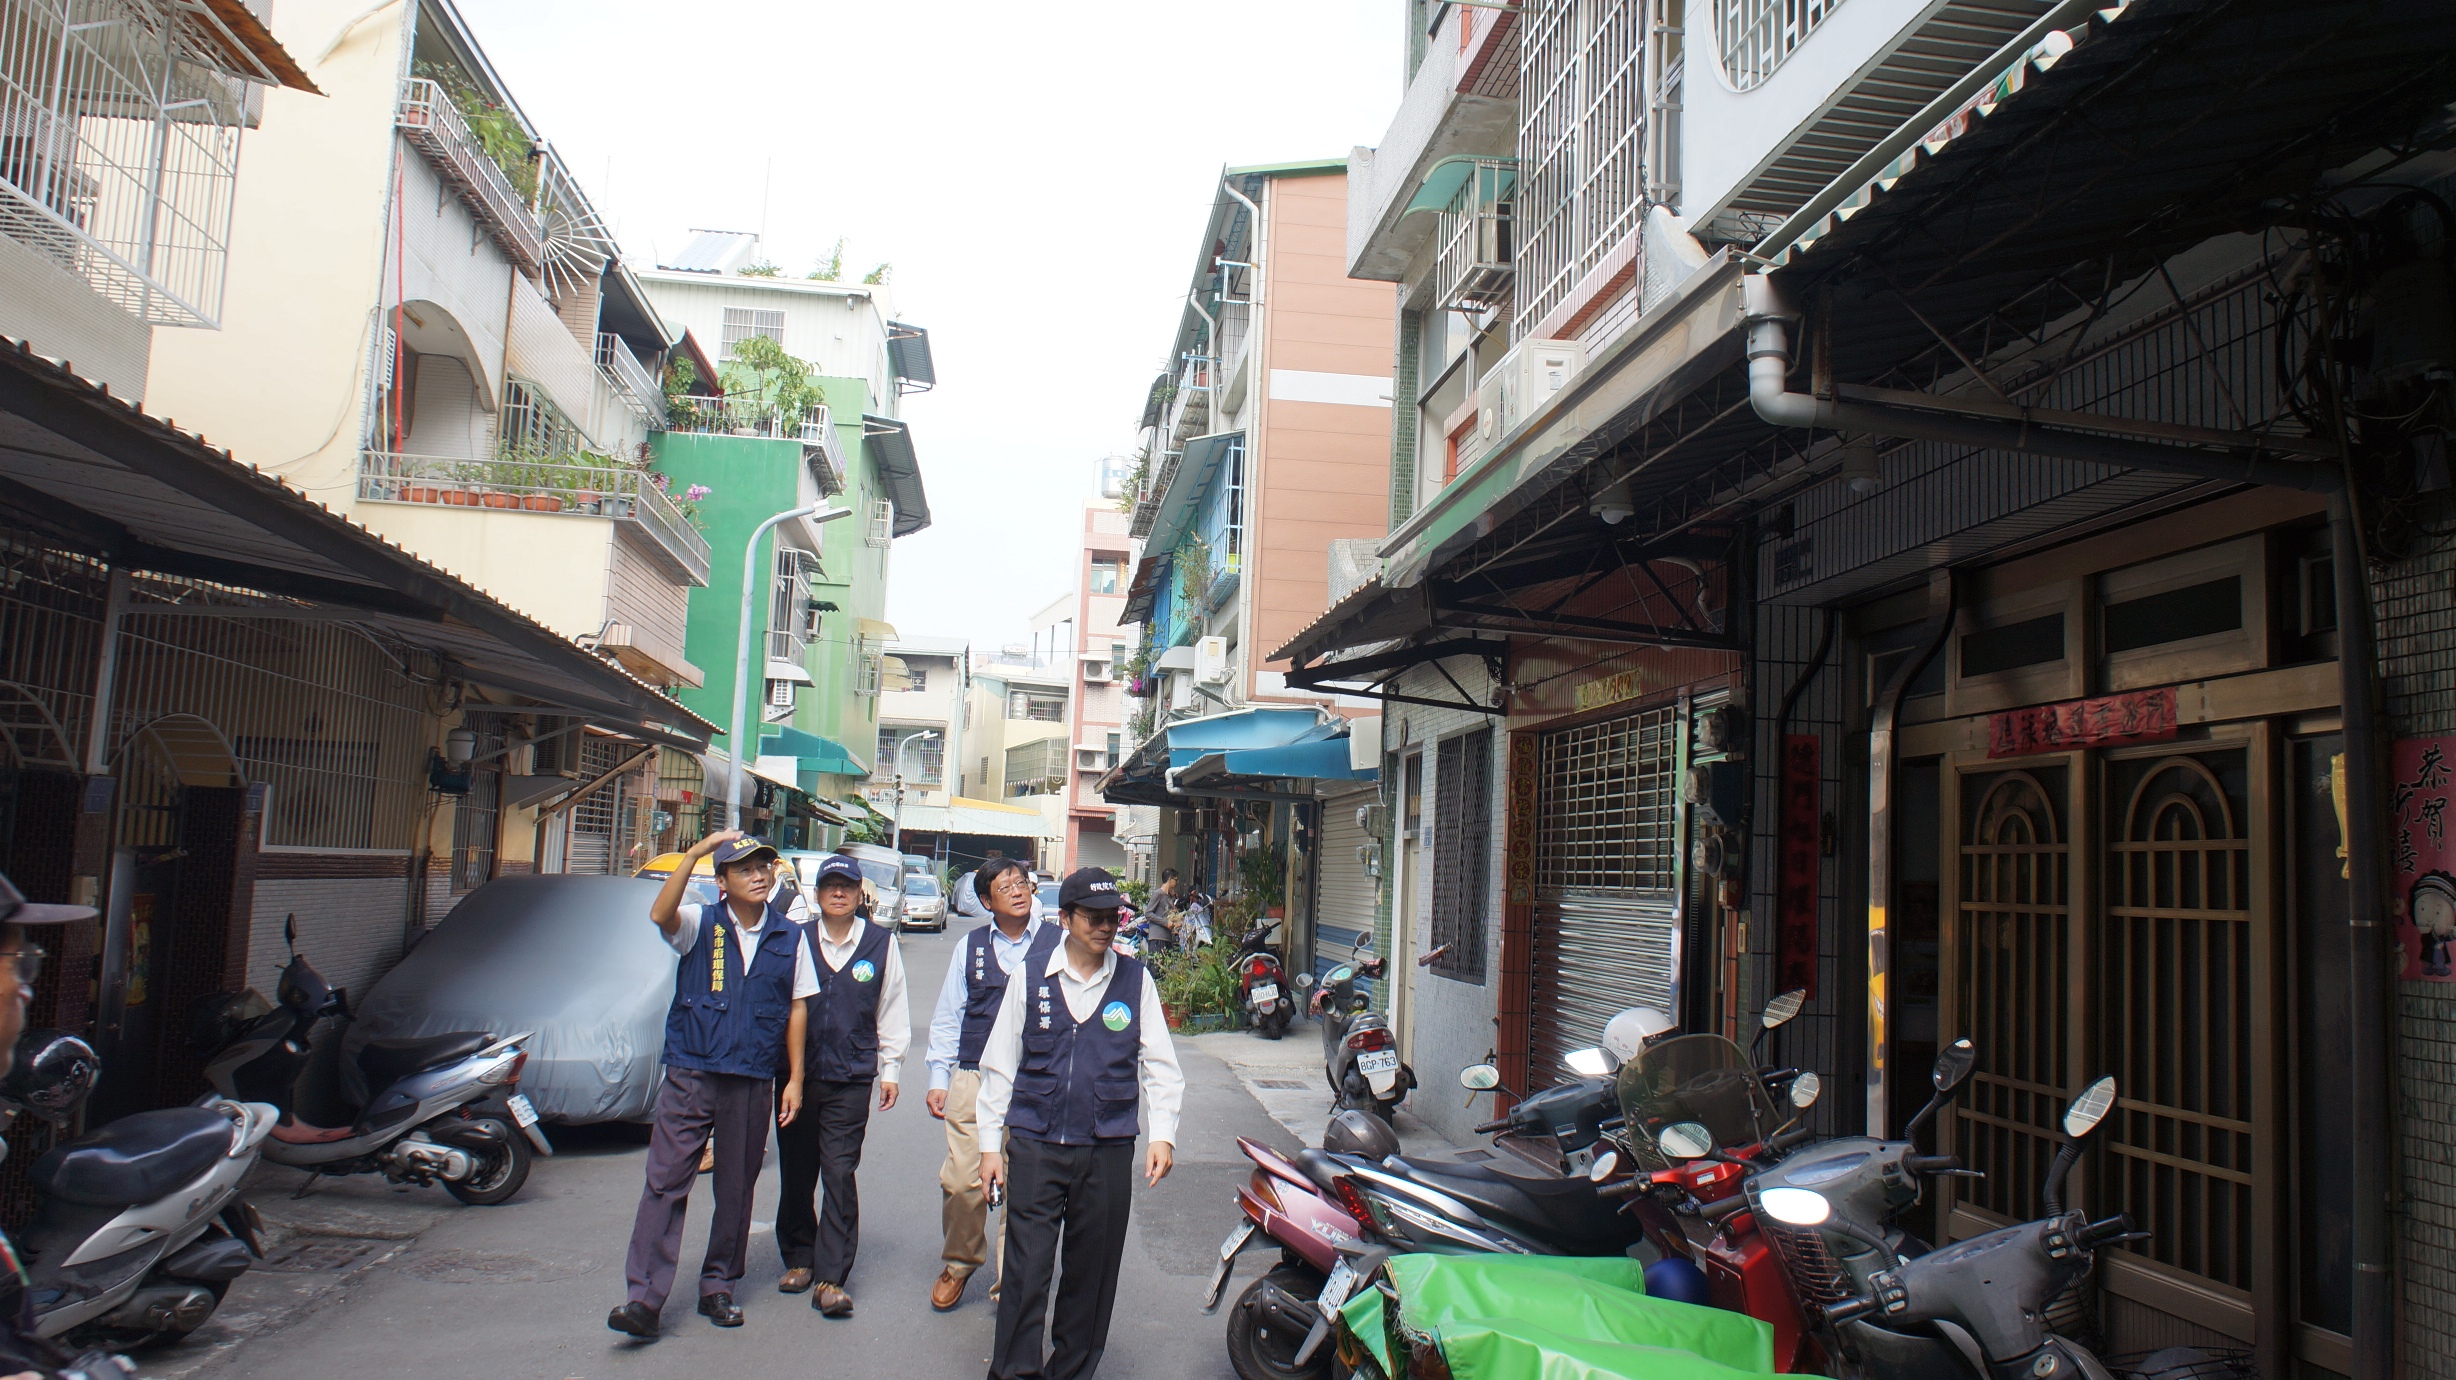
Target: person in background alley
column 737, row 1017
column 968, row 1003
column 1078, row 1037
column 858, row 1023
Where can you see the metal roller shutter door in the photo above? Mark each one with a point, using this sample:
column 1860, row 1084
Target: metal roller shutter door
column 1606, row 911
column 1349, row 896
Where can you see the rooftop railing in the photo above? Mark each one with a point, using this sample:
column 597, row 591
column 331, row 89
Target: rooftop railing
column 607, row 491
column 434, row 125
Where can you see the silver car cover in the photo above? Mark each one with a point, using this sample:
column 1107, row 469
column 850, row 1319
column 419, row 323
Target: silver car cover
column 574, row 959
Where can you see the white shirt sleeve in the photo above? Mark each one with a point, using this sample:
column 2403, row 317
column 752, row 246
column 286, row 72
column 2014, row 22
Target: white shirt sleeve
column 1163, row 1081
column 805, row 973
column 686, row 928
column 947, row 1023
column 894, row 1017
column 999, row 1060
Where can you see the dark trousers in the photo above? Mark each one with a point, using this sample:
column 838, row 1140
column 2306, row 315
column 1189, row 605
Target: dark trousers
column 821, row 1150
column 690, row 1106
column 1087, row 1193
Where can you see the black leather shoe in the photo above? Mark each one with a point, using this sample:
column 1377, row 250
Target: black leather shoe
column 719, row 1309
column 635, row 1317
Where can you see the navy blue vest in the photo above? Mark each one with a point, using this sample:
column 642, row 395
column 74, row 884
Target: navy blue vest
column 842, row 1046
column 721, row 1021
column 985, row 986
column 1077, row 1084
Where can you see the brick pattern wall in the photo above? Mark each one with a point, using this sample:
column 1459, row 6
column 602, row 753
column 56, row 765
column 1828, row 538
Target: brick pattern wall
column 2416, row 600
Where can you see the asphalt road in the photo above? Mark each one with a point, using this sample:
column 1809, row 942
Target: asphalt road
column 521, row 1290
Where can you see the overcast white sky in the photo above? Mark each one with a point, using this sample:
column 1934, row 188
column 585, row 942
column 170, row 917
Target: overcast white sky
column 1037, row 175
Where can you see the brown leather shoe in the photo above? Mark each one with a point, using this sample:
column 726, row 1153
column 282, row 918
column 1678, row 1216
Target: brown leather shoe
column 795, row 1281
column 948, row 1291
column 831, row 1301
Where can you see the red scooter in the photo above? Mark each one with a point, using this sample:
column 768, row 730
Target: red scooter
column 1290, row 1202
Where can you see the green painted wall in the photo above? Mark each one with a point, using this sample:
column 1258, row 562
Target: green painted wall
column 753, row 479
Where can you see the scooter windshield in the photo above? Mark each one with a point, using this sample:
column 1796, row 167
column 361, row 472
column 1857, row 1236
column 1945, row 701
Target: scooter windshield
column 1701, row 1078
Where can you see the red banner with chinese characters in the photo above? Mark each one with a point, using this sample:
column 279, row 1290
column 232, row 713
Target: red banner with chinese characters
column 1795, row 884
column 2421, row 782
column 2136, row 716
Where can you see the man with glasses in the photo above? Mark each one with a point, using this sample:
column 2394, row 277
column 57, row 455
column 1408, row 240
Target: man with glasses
column 23, row 1356
column 1079, row 1044
column 968, row 1002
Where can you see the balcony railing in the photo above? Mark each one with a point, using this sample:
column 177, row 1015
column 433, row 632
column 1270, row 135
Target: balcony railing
column 632, row 380
column 1475, row 267
column 708, row 416
column 785, row 646
column 608, row 491
column 435, row 126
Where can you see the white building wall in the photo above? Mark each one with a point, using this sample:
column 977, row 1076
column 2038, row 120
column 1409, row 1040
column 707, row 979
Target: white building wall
column 54, row 311
column 840, row 329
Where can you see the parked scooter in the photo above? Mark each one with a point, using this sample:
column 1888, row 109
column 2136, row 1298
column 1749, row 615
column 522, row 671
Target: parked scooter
column 1980, row 1308
column 1271, row 1330
column 1269, row 1005
column 140, row 1228
column 439, row 1109
column 1360, row 1056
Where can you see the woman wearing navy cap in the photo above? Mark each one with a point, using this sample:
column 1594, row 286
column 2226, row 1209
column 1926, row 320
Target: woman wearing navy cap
column 858, row 1025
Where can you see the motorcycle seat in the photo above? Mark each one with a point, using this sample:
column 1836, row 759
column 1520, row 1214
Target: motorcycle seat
column 135, row 1159
column 1318, row 1166
column 389, row 1061
column 1564, row 1212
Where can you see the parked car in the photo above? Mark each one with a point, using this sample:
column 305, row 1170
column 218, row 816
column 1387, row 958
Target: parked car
column 573, row 959
column 915, row 862
column 882, row 871
column 702, row 888
column 925, row 906
column 1044, row 899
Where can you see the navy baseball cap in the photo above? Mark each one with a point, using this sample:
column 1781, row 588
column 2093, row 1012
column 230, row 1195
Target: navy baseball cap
column 744, row 849
column 15, row 909
column 837, row 865
column 1089, row 888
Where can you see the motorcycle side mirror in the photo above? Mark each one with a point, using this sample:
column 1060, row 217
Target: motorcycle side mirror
column 1605, row 1165
column 1783, row 1009
column 1805, row 1089
column 1365, row 958
column 1955, row 1064
column 1796, row 1207
column 1304, row 980
column 1685, row 1140
column 2090, row 1108
column 1479, row 1078
column 1588, row 1063
column 289, row 932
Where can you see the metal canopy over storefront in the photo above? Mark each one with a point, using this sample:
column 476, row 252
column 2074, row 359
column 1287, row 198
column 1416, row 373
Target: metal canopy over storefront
column 1245, row 753
column 101, row 478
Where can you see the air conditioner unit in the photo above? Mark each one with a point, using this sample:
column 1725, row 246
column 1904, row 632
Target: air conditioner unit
column 1529, row 376
column 558, row 755
column 1211, row 661
column 1095, row 673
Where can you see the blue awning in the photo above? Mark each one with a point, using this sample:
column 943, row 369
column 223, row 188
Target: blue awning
column 1323, row 760
column 824, row 756
column 1243, row 750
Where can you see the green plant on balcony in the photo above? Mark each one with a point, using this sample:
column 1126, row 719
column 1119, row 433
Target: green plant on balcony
column 1195, row 572
column 1136, row 478
column 496, row 129
column 1144, row 720
column 776, row 387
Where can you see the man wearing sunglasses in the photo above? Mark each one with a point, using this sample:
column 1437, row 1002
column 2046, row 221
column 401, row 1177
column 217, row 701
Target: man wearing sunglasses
column 22, row 1355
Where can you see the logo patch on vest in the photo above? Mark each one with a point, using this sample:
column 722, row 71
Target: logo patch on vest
column 1115, row 1015
column 862, row 971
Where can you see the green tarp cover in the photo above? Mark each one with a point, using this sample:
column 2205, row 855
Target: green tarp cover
column 1558, row 1318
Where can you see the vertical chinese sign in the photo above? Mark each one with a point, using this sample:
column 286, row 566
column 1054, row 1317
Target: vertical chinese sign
column 2424, row 856
column 1795, row 886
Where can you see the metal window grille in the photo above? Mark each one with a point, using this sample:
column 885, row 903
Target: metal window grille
column 869, row 669
column 603, row 818
column 533, row 427
column 474, row 818
column 1757, row 35
column 1462, row 854
column 882, row 522
column 1034, row 707
column 1608, row 819
column 1475, row 266
column 928, row 757
column 741, row 323
column 1580, row 135
column 119, row 147
column 780, row 694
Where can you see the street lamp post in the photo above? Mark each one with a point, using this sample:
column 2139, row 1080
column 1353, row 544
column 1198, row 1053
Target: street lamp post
column 751, row 585
column 897, row 841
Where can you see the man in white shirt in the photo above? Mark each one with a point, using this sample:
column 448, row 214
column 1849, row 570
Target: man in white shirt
column 968, row 1002
column 859, row 1024
column 736, row 1020
column 1080, row 1041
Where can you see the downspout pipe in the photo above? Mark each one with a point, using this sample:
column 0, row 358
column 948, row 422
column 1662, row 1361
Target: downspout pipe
column 2370, row 997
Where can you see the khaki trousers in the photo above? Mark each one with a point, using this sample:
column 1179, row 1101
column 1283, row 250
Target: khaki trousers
column 963, row 1212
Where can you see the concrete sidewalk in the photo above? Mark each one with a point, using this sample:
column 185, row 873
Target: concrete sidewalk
column 1286, row 1076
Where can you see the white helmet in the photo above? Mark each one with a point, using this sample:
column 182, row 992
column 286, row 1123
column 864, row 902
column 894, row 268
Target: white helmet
column 1633, row 1029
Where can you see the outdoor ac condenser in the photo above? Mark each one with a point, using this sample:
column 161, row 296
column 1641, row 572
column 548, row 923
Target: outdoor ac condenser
column 1211, row 661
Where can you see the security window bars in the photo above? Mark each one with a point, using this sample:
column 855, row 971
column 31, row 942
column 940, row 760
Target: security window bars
column 741, row 323
column 119, row 147
column 925, row 756
column 474, row 818
column 869, row 668
column 1581, row 131
column 1462, row 854
column 1607, row 821
column 1033, row 706
column 882, row 522
column 1756, row 35
column 1475, row 266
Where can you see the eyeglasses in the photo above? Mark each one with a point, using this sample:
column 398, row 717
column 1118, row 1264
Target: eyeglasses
column 29, row 961
column 1014, row 886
